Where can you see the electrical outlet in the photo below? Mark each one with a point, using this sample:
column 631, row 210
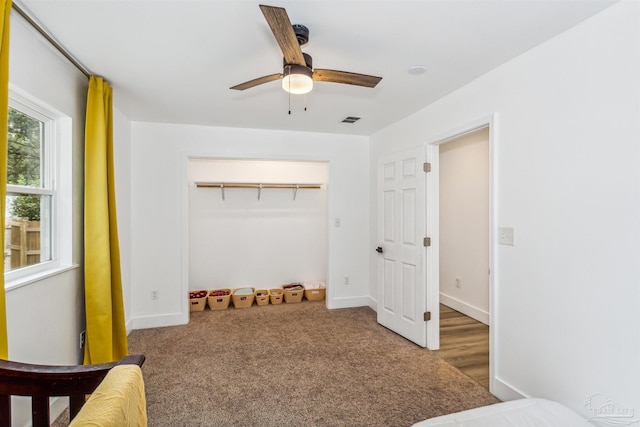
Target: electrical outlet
column 505, row 236
column 82, row 335
column 336, row 222
column 458, row 282
column 155, row 295
column 346, row 280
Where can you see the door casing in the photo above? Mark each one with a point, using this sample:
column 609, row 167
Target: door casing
column 432, row 227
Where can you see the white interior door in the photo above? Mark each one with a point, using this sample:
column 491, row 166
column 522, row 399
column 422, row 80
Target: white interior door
column 401, row 278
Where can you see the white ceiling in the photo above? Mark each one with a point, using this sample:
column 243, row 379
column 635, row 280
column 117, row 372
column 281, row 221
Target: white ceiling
column 174, row 61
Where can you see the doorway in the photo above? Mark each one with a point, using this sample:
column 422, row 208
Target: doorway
column 464, row 253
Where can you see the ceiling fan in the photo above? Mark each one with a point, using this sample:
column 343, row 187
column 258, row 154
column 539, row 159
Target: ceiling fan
column 298, row 74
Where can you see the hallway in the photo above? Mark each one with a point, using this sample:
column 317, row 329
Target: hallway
column 464, row 343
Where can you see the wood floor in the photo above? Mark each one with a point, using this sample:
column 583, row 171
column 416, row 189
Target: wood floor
column 464, row 343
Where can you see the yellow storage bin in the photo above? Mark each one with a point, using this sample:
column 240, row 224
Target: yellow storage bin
column 242, row 298
column 262, row 297
column 276, row 296
column 219, row 299
column 197, row 300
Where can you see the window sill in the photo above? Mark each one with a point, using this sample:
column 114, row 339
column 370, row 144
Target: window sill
column 37, row 277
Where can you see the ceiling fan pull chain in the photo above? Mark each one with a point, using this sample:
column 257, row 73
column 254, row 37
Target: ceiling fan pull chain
column 289, row 92
column 305, row 102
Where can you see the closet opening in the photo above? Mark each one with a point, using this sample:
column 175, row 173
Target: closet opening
column 264, row 227
column 464, row 230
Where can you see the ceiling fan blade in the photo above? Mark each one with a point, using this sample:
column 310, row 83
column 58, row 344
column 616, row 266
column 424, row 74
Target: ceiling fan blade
column 256, row 82
column 346, row 77
column 282, row 30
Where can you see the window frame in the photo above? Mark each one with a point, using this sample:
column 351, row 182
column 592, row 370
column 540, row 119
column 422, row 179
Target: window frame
column 56, row 127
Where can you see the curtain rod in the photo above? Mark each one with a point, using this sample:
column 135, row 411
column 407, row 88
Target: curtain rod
column 35, row 24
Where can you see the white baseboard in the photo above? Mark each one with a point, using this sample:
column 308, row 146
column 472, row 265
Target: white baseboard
column 173, row 319
column 348, row 302
column 465, row 308
column 505, row 391
column 146, row 322
column 373, row 304
column 129, row 326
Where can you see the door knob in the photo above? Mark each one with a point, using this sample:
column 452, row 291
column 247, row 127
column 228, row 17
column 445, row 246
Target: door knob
column 379, row 249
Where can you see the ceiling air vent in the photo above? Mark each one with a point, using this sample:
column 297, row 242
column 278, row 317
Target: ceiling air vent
column 351, row 119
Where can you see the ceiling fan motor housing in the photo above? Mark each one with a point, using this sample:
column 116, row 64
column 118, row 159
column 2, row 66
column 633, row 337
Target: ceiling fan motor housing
column 308, row 60
column 302, row 34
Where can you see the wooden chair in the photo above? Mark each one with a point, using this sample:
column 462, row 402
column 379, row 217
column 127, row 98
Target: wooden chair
column 43, row 381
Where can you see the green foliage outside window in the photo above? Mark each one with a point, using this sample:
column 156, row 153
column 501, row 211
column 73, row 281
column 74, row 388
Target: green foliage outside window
column 26, row 207
column 23, row 162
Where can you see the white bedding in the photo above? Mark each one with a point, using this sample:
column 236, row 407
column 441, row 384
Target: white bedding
column 520, row 413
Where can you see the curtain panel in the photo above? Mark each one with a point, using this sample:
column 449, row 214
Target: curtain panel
column 4, row 113
column 106, row 338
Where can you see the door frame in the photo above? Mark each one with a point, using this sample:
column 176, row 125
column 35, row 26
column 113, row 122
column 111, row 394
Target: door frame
column 432, row 150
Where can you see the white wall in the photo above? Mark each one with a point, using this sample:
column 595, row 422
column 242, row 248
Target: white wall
column 122, row 171
column 242, row 241
column 160, row 213
column 464, row 224
column 568, row 181
column 44, row 318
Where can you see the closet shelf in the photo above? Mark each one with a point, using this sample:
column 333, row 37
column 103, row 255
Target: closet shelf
column 258, row 185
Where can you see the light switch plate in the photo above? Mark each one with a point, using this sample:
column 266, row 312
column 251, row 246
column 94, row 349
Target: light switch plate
column 506, row 236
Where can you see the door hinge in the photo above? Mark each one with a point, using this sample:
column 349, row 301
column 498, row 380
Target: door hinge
column 426, row 241
column 426, row 167
column 427, row 316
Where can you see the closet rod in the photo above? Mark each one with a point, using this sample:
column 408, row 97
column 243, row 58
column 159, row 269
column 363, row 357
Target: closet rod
column 45, row 33
column 253, row 185
column 259, row 186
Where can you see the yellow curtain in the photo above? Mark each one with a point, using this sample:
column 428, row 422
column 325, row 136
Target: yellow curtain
column 4, row 113
column 106, row 338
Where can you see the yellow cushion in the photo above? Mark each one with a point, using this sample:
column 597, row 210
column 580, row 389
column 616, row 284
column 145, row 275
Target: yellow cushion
column 119, row 401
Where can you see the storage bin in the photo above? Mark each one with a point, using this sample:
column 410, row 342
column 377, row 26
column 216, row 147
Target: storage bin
column 243, row 300
column 217, row 301
column 314, row 294
column 262, row 297
column 293, row 295
column 314, row 291
column 197, row 300
column 275, row 296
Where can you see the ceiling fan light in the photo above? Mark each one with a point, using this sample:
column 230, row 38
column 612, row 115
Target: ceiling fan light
column 297, row 80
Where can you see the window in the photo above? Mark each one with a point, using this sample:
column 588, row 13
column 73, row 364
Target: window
column 31, row 199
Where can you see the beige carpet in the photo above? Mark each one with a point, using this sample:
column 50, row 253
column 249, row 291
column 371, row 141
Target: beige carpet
column 295, row 365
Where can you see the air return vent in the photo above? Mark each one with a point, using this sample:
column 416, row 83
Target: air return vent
column 351, row 119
